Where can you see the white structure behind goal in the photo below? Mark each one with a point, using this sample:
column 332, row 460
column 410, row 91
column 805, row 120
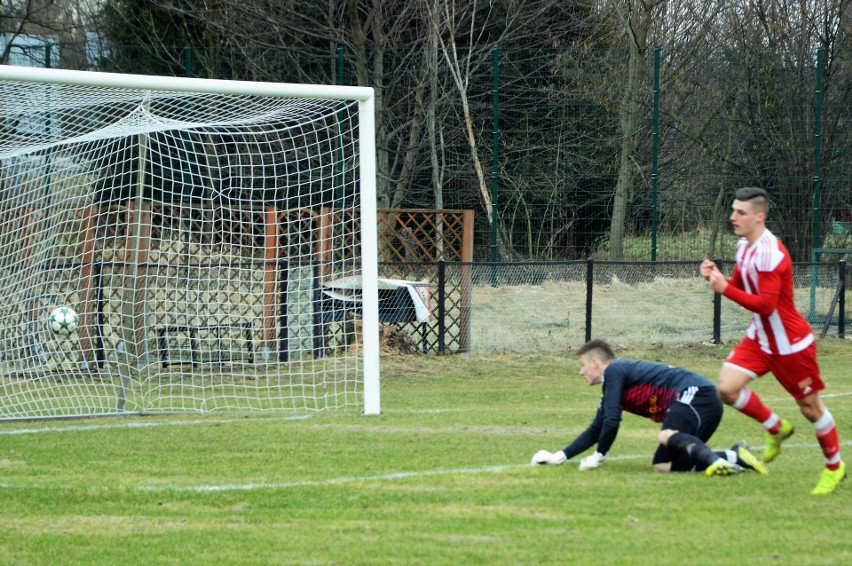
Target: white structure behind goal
column 192, row 224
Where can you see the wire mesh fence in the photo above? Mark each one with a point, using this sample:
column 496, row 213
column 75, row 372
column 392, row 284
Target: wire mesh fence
column 517, row 307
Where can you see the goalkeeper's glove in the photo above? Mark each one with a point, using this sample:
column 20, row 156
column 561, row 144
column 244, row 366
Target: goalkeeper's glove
column 592, row 462
column 544, row 457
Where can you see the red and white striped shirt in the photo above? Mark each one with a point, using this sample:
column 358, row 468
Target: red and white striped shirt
column 762, row 282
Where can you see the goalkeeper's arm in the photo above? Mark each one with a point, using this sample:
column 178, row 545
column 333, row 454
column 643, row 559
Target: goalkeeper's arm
column 583, row 442
column 588, row 437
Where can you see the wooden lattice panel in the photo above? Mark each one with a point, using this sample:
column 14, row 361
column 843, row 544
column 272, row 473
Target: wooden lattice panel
column 299, row 235
column 422, row 235
column 302, row 234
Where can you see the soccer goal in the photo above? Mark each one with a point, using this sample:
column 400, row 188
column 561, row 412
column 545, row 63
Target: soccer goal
column 189, row 227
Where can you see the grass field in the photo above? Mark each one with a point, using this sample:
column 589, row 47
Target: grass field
column 442, row 476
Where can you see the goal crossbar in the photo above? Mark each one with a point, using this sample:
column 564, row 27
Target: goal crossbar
column 182, row 84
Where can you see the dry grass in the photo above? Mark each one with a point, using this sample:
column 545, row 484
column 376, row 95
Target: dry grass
column 552, row 316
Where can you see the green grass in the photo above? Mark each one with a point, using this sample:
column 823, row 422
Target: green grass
column 695, row 246
column 687, row 246
column 440, row 477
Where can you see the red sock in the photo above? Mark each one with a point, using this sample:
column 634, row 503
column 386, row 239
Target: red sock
column 826, row 433
column 749, row 404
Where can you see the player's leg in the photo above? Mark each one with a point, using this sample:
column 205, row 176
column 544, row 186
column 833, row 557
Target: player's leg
column 684, row 421
column 710, row 410
column 744, row 364
column 694, row 455
column 799, row 374
column 669, row 460
column 666, row 460
column 825, row 429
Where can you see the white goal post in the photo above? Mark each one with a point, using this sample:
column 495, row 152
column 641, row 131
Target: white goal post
column 191, row 224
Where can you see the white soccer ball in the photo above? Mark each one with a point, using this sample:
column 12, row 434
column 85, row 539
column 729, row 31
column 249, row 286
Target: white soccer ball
column 63, row 321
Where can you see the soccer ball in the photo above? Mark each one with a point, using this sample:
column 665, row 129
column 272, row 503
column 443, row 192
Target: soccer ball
column 63, row 321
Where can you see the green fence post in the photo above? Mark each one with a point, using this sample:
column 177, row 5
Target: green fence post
column 495, row 135
column 442, row 307
column 817, row 204
column 48, row 169
column 655, row 135
column 340, row 61
column 495, row 130
column 590, row 283
column 841, row 309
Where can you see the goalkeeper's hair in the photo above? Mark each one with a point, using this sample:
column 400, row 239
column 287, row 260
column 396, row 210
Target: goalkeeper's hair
column 599, row 348
column 757, row 196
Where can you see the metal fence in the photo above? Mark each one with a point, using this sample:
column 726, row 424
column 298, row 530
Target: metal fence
column 496, row 307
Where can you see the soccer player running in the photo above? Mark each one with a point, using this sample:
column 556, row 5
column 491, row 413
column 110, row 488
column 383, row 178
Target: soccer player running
column 777, row 340
column 684, row 402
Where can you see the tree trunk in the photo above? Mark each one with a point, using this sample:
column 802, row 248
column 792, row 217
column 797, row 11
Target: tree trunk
column 637, row 19
column 362, row 71
column 628, row 120
column 403, row 179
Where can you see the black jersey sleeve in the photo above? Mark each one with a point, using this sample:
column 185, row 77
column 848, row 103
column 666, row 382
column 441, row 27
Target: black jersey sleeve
column 611, row 408
column 587, row 438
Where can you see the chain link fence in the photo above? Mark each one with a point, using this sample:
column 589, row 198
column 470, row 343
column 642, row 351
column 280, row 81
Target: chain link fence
column 521, row 307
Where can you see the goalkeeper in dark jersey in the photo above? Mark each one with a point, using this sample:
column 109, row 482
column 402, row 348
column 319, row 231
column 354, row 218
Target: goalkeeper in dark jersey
column 684, row 402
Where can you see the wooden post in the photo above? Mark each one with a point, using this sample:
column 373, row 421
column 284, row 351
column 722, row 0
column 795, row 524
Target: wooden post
column 324, row 242
column 383, row 220
column 270, row 277
column 466, row 283
column 27, row 236
column 136, row 253
column 88, row 308
column 467, row 237
column 135, row 241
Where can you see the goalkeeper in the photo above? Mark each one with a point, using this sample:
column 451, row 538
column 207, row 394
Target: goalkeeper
column 684, row 402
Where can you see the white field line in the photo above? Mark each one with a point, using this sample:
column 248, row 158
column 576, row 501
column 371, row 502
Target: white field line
column 823, row 395
column 306, row 483
column 209, row 421
column 385, row 477
column 138, row 424
column 232, row 487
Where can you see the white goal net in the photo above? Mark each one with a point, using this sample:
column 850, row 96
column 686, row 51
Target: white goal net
column 191, row 225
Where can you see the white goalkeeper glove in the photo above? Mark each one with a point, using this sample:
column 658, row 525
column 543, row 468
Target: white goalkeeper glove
column 543, row 457
column 592, row 462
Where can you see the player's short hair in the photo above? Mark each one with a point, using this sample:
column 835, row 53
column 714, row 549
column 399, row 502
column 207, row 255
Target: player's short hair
column 757, row 196
column 599, row 348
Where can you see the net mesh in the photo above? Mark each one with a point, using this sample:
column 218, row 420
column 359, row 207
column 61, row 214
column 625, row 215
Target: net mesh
column 192, row 234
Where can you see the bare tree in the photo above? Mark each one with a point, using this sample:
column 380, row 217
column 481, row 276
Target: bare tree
column 57, row 21
column 637, row 20
column 466, row 33
column 436, row 145
column 285, row 41
column 747, row 115
column 445, row 22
